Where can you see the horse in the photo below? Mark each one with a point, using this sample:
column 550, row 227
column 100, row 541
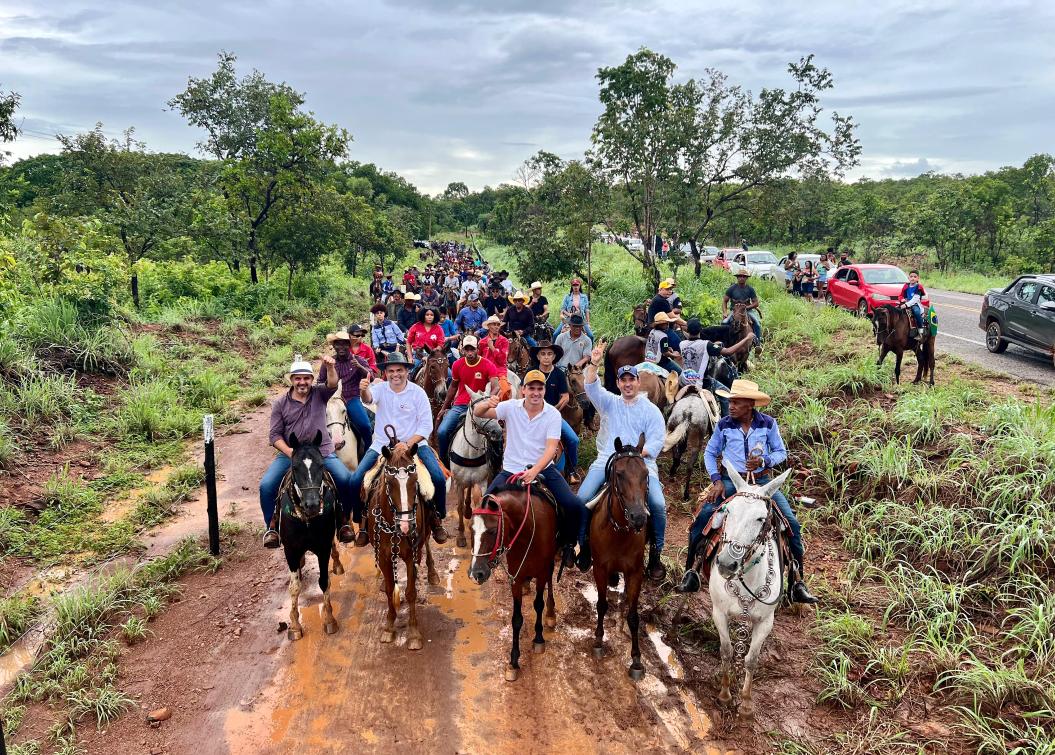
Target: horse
column 476, row 457
column 694, row 414
column 617, row 537
column 519, row 360
column 575, row 410
column 307, row 521
column 893, row 331
column 623, row 351
column 501, row 528
column 543, row 331
column 748, row 582
column 432, row 377
column 739, row 327
column 661, row 391
column 398, row 525
column 337, row 424
column 450, row 302
column 639, row 318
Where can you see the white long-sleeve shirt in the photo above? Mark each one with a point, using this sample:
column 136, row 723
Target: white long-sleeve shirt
column 408, row 412
column 626, row 420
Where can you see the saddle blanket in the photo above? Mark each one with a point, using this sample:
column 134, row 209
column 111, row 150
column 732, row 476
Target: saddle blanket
column 425, row 487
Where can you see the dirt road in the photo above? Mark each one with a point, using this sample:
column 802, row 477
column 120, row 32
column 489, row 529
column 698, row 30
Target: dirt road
column 235, row 684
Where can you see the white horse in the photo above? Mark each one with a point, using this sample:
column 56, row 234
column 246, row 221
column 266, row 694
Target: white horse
column 341, row 432
column 470, row 445
column 747, row 579
column 693, row 417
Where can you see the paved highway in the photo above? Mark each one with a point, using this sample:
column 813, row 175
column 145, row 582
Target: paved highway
column 959, row 334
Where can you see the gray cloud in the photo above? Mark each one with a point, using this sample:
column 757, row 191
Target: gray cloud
column 465, row 90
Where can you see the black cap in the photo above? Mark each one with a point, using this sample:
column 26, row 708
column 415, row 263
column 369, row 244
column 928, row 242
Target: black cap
column 576, row 320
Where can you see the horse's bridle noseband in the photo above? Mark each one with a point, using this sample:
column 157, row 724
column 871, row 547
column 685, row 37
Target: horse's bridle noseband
column 742, row 551
column 615, row 492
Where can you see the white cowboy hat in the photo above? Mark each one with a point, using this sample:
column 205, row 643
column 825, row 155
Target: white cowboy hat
column 301, row 366
column 535, row 285
column 493, row 320
column 744, row 389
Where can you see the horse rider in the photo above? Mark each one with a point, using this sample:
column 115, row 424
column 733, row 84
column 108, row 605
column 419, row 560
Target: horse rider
column 426, row 333
column 471, row 285
column 471, row 371
column 472, row 315
column 911, row 296
column 408, row 315
column 376, row 289
column 665, row 299
column 657, row 346
column 494, row 345
column 357, row 347
column 626, row 416
column 519, row 319
column 350, row 369
column 696, row 355
column 558, row 395
column 430, row 297
column 575, row 343
column 575, row 303
column 539, row 304
column 385, row 335
column 751, row 442
column 532, row 430
column 741, row 292
column 387, row 287
column 393, row 304
column 302, row 411
column 404, row 406
column 495, row 302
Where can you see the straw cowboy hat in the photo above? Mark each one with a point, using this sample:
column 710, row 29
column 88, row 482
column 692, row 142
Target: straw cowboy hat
column 340, row 335
column 744, row 389
column 536, row 284
column 520, row 295
column 493, row 320
column 664, row 318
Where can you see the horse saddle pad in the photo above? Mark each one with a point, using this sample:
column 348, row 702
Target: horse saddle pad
column 653, row 368
column 425, row 486
column 711, row 539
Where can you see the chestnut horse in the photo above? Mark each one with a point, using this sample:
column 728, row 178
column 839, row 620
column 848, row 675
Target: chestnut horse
column 617, row 535
column 398, row 524
column 739, row 326
column 519, row 360
column 893, row 330
column 432, row 377
column 625, row 350
column 521, row 525
column 574, row 411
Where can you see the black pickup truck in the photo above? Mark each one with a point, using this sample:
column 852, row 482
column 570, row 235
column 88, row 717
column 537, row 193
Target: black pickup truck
column 1022, row 313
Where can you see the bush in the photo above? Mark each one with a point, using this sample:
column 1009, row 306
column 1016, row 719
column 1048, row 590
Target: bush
column 40, row 398
column 151, row 410
column 8, row 446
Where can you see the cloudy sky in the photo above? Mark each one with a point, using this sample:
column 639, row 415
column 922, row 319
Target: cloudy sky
column 467, row 89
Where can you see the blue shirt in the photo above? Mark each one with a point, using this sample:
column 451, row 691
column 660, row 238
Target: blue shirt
column 470, row 319
column 729, row 440
column 626, row 421
column 386, row 334
column 449, row 328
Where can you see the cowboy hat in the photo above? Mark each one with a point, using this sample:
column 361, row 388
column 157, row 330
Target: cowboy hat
column 744, row 389
column 535, row 285
column 493, row 320
column 411, row 296
column 340, row 335
column 396, row 359
column 301, row 366
column 744, row 272
column 520, row 295
column 663, row 317
column 558, row 352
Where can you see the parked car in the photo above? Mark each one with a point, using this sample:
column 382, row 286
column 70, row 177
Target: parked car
column 862, row 288
column 1022, row 313
column 759, row 262
column 635, row 245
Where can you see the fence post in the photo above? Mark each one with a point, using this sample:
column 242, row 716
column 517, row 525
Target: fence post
column 210, row 485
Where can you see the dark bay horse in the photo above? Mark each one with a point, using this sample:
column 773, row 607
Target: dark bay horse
column 617, row 537
column 432, row 377
column 398, row 525
column 625, row 350
column 307, row 521
column 519, row 524
column 739, row 327
column 575, row 410
column 519, row 355
column 893, row 330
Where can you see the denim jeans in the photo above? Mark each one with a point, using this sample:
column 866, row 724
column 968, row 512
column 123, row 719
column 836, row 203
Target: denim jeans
column 445, row 431
column 273, row 478
column 778, row 498
column 657, row 507
column 432, row 464
column 359, row 420
column 570, row 442
column 917, row 315
column 571, row 505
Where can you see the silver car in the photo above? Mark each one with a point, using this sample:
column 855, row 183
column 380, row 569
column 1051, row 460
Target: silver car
column 759, row 262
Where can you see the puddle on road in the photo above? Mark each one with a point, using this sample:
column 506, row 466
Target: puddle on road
column 122, row 507
column 665, row 652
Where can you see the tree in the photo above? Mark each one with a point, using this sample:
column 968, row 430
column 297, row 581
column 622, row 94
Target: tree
column 272, row 149
column 938, row 222
column 139, row 195
column 310, row 224
column 8, row 129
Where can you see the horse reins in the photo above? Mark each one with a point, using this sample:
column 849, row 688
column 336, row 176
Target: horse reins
column 501, row 547
column 742, row 551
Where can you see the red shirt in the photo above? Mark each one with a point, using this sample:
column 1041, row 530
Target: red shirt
column 476, row 377
column 408, row 280
column 365, row 352
column 498, row 353
column 419, row 336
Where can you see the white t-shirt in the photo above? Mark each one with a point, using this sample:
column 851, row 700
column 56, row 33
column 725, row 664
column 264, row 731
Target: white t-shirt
column 470, row 287
column 526, row 438
column 507, row 285
column 694, row 354
column 408, row 412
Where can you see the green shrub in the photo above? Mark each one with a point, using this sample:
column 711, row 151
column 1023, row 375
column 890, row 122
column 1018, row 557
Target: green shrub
column 151, row 410
column 208, row 390
column 8, row 446
column 41, row 398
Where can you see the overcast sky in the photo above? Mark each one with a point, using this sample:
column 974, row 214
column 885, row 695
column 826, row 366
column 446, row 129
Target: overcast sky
column 466, row 90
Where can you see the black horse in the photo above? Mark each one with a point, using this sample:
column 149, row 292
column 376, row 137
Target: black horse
column 307, row 521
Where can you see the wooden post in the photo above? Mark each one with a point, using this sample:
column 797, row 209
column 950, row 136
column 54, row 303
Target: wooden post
column 210, row 485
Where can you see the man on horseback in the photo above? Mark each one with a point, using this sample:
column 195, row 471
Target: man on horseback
column 912, row 294
column 750, row 441
column 696, row 355
column 471, row 316
column 626, row 417
column 657, row 346
column 470, row 372
column 576, row 344
column 532, row 430
column 519, row 319
column 350, row 369
column 302, row 411
column 665, row 300
column 405, row 407
column 741, row 292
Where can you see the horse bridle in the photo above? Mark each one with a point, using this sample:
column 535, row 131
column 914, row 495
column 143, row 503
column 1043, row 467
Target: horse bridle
column 741, row 551
column 501, row 547
column 614, row 492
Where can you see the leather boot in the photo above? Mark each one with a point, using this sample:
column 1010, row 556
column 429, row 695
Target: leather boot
column 271, row 539
column 568, row 557
column 439, row 534
column 690, row 582
column 362, row 538
column 800, row 594
column 583, row 562
column 346, row 534
column 657, row 572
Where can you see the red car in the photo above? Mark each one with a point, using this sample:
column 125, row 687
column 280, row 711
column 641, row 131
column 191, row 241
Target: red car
column 862, row 288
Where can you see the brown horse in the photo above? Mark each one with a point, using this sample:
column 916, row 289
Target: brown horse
column 432, row 377
column 660, row 391
column 519, row 355
column 617, row 535
column 893, row 330
column 625, row 350
column 639, row 317
column 397, row 519
column 739, row 326
column 519, row 524
column 573, row 412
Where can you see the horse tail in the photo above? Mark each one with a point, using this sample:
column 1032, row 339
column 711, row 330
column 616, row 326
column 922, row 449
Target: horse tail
column 676, row 436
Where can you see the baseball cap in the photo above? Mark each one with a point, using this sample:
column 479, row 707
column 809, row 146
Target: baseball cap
column 536, row 376
column 626, row 369
column 470, row 341
column 474, row 297
column 668, row 283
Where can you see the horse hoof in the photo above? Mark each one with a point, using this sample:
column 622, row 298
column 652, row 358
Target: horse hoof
column 724, row 697
column 434, row 579
column 462, row 542
column 512, row 674
column 747, row 710
column 294, row 634
column 330, row 627
column 637, row 674
column 598, row 651
column 538, row 648
column 414, row 643
column 387, row 636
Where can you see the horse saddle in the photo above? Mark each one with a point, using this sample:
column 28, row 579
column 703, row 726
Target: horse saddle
column 425, row 487
column 711, row 539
